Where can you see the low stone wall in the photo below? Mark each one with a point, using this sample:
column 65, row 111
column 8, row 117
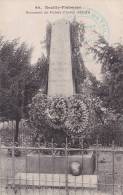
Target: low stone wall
column 58, row 164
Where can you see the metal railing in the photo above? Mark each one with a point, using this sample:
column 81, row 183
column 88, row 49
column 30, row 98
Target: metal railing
column 25, row 136
column 25, row 170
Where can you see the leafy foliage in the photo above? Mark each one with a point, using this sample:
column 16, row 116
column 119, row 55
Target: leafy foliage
column 14, row 63
column 19, row 81
column 78, row 69
column 37, row 79
column 111, row 58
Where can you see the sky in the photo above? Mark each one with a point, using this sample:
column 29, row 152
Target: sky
column 18, row 21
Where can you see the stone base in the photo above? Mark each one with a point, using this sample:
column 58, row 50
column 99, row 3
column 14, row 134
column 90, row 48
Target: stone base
column 32, row 180
column 48, row 164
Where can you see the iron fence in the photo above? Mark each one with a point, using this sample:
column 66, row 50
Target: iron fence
column 46, row 170
column 25, row 136
column 7, row 132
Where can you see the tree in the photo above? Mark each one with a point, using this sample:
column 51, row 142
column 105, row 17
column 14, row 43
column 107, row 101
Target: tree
column 14, row 68
column 37, row 79
column 111, row 58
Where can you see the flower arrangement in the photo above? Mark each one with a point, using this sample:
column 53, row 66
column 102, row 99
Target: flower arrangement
column 56, row 112
column 37, row 110
column 70, row 114
column 78, row 116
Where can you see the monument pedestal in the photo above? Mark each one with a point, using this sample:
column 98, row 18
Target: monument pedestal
column 51, row 172
column 48, row 164
column 35, row 180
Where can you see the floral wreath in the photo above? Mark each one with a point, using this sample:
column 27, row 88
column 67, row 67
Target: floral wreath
column 37, row 110
column 78, row 116
column 56, row 112
column 71, row 114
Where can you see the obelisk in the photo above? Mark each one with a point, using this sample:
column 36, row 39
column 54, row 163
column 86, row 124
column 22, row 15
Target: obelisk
column 60, row 81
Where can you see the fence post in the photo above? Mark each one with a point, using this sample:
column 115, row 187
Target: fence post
column 39, row 170
column 0, row 168
column 97, row 153
column 97, row 147
column 121, row 185
column 82, row 151
column 113, row 169
column 26, row 166
column 66, row 170
column 13, row 133
column 13, row 165
column 52, row 166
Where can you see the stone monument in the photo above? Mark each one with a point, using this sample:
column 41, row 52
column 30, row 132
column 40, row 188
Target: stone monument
column 60, row 81
column 61, row 84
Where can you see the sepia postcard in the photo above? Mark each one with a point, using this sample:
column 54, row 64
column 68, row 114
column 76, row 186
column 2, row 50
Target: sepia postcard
column 61, row 97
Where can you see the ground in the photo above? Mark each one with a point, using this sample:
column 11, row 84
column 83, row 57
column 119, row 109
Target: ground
column 10, row 166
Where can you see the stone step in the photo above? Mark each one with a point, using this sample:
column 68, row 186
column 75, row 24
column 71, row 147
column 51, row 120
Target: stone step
column 54, row 180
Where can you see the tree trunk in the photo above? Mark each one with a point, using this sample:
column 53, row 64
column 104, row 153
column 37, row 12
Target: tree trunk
column 16, row 132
